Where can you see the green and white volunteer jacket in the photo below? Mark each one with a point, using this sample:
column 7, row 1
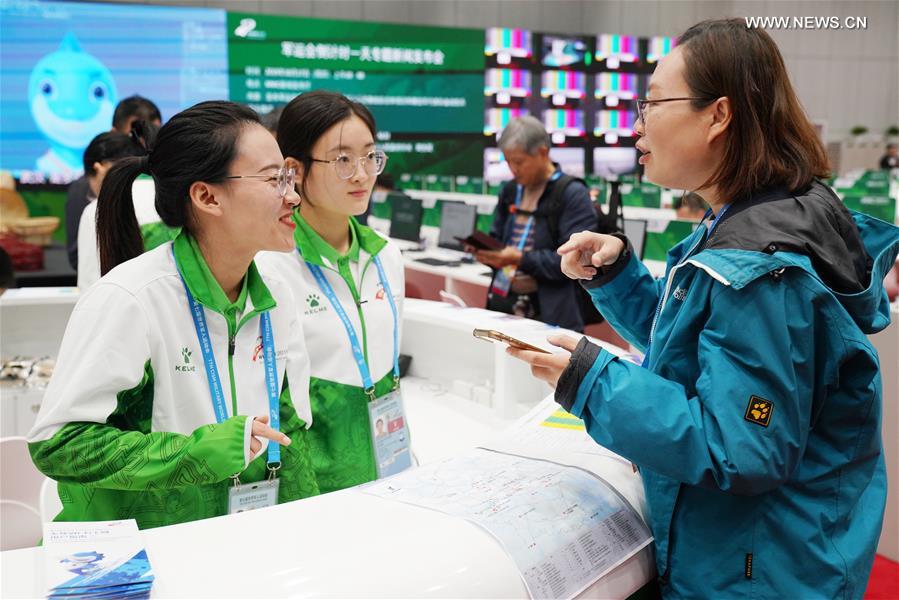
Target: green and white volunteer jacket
column 127, row 426
column 340, row 439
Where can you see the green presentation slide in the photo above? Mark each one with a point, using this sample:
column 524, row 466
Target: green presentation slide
column 415, row 79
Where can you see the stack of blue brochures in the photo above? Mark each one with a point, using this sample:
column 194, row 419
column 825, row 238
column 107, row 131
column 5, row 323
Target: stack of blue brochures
column 96, row 560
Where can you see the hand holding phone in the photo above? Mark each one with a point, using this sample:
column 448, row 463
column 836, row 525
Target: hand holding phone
column 491, row 335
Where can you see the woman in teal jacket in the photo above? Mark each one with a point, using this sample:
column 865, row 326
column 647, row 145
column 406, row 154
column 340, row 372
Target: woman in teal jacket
column 755, row 418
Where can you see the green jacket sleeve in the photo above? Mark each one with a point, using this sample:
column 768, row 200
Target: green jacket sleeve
column 103, row 456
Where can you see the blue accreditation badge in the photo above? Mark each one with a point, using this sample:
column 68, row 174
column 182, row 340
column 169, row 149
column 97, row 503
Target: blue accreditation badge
column 389, row 434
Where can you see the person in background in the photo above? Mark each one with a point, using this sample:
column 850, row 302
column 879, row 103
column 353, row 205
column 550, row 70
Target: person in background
column 79, row 194
column 99, row 157
column 690, row 207
column 890, row 160
column 183, row 365
column 350, row 281
column 536, row 213
column 755, row 418
column 270, row 120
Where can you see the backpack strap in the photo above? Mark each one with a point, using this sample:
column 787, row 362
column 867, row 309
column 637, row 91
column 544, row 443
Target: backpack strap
column 555, row 204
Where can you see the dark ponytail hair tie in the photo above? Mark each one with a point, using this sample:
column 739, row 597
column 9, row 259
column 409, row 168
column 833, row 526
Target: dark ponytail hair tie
column 145, row 164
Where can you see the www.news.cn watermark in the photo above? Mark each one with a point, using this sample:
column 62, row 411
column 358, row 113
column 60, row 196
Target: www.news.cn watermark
column 806, row 22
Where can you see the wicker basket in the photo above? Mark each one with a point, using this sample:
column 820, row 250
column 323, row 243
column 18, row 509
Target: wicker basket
column 35, row 230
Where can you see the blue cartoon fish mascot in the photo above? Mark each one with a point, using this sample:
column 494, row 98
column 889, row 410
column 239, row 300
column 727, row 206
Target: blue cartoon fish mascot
column 72, row 97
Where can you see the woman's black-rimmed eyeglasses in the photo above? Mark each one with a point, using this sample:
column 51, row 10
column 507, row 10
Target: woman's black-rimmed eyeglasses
column 642, row 103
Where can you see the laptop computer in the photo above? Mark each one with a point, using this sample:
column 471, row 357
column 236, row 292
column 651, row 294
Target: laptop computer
column 457, row 220
column 405, row 217
column 635, row 230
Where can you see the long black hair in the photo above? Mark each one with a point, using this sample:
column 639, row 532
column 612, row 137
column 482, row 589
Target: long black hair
column 109, row 146
column 307, row 117
column 197, row 144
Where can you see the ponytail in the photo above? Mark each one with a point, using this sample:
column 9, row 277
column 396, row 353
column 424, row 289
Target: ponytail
column 118, row 234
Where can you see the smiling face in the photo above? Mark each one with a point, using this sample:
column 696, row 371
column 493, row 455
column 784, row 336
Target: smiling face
column 681, row 146
column 324, row 189
column 253, row 213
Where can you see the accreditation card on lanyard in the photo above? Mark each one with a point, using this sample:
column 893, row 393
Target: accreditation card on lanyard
column 502, row 281
column 386, row 417
column 243, row 497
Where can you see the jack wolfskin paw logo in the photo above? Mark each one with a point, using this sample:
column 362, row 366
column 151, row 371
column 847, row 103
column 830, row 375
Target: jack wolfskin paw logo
column 185, row 354
column 759, row 411
column 313, row 300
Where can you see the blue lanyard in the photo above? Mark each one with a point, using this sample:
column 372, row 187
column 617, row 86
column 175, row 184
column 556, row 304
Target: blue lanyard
column 519, row 191
column 716, row 220
column 212, row 372
column 358, row 354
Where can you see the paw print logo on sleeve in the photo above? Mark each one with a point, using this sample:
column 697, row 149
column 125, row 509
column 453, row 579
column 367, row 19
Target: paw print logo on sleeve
column 759, row 411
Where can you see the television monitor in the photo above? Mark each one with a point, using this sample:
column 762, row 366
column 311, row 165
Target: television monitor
column 563, row 85
column 496, row 119
column 635, row 230
column 506, row 43
column 405, row 217
column 496, row 169
column 566, row 121
column 658, row 47
column 563, row 51
column 616, row 122
column 613, row 161
column 65, row 65
column 512, row 82
column 616, row 49
column 457, row 219
column 621, row 86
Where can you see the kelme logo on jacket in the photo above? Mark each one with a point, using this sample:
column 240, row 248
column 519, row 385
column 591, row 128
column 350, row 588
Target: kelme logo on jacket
column 314, row 305
column 186, row 367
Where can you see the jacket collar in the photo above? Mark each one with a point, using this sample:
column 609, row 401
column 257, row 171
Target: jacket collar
column 316, row 250
column 206, row 289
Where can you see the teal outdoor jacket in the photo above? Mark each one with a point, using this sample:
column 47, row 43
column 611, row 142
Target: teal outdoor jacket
column 756, row 418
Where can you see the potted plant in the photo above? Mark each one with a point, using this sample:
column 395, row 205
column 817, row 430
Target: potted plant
column 891, row 135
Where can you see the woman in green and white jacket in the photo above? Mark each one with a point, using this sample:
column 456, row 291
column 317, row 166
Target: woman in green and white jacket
column 171, row 385
column 349, row 283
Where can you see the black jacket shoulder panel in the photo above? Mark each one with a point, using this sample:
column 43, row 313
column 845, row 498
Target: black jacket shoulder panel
column 814, row 223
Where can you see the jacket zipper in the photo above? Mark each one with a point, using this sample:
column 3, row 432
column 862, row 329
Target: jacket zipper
column 664, row 297
column 232, row 343
column 232, row 346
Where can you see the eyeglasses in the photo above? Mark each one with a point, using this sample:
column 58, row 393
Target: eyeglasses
column 284, row 179
column 372, row 163
column 642, row 103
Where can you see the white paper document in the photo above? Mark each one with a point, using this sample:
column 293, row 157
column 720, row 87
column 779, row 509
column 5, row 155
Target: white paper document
column 563, row 526
column 548, row 429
